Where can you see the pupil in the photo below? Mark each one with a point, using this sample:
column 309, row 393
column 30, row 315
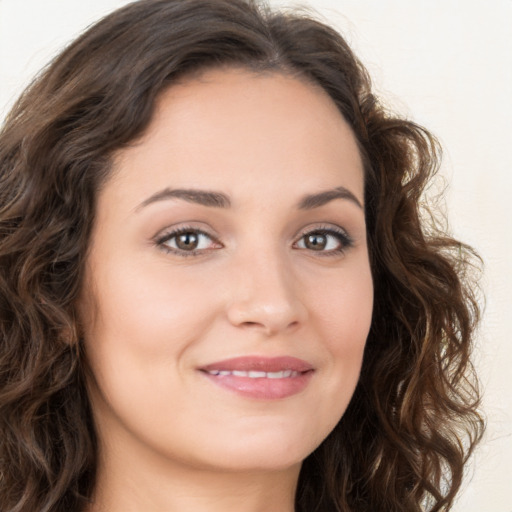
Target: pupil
column 316, row 242
column 187, row 241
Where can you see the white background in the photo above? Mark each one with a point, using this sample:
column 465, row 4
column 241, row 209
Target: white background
column 444, row 63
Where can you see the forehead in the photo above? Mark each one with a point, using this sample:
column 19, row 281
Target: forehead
column 232, row 127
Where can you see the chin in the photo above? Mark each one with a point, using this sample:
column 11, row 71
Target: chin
column 261, row 450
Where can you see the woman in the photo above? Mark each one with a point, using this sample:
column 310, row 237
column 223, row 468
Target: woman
column 217, row 289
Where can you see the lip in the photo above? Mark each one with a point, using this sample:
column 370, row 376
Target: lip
column 288, row 376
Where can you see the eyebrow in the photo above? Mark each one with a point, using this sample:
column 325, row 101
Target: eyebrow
column 203, row 197
column 220, row 200
column 316, row 200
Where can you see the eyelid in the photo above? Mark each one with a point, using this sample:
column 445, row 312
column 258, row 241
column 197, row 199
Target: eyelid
column 172, row 232
column 344, row 238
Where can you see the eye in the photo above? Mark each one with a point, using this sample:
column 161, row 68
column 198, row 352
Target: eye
column 187, row 241
column 331, row 241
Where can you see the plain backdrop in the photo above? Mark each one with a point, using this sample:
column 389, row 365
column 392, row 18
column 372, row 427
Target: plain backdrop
column 447, row 64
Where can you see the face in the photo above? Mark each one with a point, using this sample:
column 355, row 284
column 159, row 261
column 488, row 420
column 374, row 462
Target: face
column 228, row 293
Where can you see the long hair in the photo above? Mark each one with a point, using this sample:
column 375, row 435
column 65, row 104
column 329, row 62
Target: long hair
column 413, row 420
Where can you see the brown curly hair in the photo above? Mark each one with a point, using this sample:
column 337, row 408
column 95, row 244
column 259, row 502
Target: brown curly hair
column 413, row 420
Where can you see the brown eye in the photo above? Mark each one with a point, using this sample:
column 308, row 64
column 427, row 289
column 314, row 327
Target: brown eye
column 326, row 241
column 315, row 241
column 187, row 241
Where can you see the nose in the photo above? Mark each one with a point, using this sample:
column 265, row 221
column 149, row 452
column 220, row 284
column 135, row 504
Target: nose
column 265, row 296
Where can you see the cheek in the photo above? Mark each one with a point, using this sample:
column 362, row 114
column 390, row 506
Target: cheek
column 145, row 322
column 344, row 309
column 343, row 313
column 139, row 326
column 150, row 307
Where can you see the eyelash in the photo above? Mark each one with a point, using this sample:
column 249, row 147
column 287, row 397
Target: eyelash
column 343, row 239
column 162, row 240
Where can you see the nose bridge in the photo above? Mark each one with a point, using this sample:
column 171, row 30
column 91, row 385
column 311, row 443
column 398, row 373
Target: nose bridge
column 264, row 291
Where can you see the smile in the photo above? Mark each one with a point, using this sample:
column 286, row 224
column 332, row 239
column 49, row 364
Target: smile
column 285, row 374
column 260, row 377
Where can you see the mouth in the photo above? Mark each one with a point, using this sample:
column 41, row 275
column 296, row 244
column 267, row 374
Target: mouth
column 283, row 374
column 261, row 377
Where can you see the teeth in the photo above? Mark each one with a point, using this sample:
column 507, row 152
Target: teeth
column 275, row 375
column 257, row 375
column 284, row 374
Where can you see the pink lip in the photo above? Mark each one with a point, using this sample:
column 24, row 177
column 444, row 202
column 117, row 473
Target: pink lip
column 261, row 387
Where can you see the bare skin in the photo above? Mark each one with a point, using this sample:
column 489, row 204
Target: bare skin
column 233, row 229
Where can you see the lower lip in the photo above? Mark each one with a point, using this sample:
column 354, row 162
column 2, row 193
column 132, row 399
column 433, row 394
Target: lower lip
column 262, row 388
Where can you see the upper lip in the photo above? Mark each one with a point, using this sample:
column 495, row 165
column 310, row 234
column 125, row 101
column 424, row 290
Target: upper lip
column 262, row 364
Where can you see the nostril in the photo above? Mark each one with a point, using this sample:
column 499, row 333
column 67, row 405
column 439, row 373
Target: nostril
column 269, row 328
column 252, row 324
